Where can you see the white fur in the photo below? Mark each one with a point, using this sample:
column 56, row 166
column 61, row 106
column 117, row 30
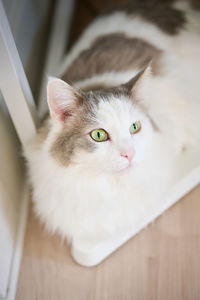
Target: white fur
column 107, row 79
column 97, row 195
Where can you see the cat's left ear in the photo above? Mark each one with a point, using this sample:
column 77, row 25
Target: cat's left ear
column 138, row 83
column 63, row 99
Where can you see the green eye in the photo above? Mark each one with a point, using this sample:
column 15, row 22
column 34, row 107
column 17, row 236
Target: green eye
column 135, row 127
column 99, row 135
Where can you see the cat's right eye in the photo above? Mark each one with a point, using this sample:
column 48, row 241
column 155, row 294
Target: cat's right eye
column 99, row 135
column 135, row 127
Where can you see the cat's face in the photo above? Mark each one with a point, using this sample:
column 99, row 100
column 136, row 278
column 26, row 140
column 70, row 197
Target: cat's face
column 104, row 131
column 123, row 146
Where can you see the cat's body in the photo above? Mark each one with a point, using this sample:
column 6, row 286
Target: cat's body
column 88, row 189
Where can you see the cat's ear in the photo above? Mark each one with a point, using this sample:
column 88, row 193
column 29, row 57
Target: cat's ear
column 63, row 100
column 138, row 83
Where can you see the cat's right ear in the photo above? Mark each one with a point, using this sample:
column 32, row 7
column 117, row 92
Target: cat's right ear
column 139, row 83
column 62, row 98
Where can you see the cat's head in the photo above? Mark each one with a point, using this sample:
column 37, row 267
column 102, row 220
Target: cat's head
column 104, row 130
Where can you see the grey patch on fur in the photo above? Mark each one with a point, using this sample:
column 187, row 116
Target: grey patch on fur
column 161, row 13
column 72, row 135
column 111, row 52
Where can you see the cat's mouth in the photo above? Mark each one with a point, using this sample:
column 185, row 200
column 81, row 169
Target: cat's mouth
column 127, row 168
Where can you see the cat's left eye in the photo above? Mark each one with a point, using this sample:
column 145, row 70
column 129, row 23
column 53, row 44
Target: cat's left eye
column 135, row 127
column 99, row 135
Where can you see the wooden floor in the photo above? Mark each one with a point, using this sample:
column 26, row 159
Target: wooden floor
column 161, row 263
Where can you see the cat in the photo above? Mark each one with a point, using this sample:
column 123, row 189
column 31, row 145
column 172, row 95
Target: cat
column 124, row 122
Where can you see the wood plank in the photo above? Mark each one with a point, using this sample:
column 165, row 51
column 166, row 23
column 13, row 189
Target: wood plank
column 161, row 262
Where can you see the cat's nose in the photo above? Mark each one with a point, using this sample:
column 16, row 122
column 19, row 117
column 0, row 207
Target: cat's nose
column 129, row 154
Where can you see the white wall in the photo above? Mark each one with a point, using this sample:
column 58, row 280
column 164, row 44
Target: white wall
column 11, row 180
column 24, row 17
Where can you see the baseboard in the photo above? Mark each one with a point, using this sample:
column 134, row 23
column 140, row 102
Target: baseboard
column 18, row 249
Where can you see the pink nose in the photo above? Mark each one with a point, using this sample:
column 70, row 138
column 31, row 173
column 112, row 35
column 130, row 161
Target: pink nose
column 129, row 154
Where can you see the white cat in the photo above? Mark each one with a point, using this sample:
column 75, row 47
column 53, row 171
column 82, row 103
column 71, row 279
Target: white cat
column 122, row 135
